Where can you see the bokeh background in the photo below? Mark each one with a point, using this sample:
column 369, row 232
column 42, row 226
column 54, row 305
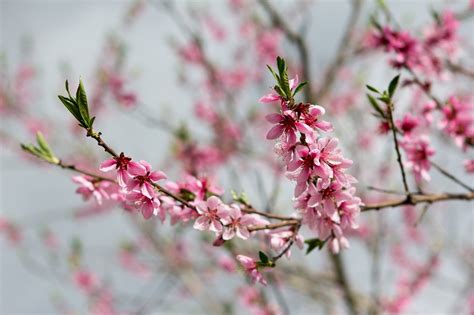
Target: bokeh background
column 64, row 39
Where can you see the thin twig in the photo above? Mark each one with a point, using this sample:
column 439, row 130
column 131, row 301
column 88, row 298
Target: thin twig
column 397, row 147
column 343, row 282
column 452, row 177
column 418, row 198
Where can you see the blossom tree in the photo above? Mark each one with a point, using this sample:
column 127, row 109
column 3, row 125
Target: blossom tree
column 356, row 165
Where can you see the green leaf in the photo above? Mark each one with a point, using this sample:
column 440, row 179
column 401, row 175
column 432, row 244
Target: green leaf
column 67, row 90
column 393, row 86
column 81, row 99
column 314, row 243
column 375, row 105
column 42, row 143
column 277, row 78
column 299, row 87
column 372, row 89
column 71, row 107
column 263, row 257
column 42, row 151
column 281, row 65
column 280, row 91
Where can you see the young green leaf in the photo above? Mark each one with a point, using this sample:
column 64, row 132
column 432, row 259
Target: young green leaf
column 71, row 107
column 280, row 92
column 42, row 143
column 81, row 99
column 263, row 257
column 281, row 65
column 277, row 78
column 372, row 89
column 375, row 105
column 393, row 86
column 299, row 87
column 314, row 243
column 42, row 151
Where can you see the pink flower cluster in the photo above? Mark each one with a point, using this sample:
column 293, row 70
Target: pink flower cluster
column 418, row 152
column 458, row 120
column 226, row 221
column 136, row 183
column 427, row 54
column 251, row 267
column 416, row 145
column 324, row 193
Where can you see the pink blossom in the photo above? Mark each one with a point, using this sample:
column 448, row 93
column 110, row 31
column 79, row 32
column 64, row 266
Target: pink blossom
column 92, row 187
column 407, row 124
column 458, row 120
column 123, row 165
column 208, row 215
column 235, row 223
column 147, row 206
column 250, row 267
column 279, row 240
column 286, row 124
column 142, row 178
column 383, row 127
column 427, row 110
column 11, row 230
column 191, row 53
column 227, row 263
column 86, row 280
column 418, row 153
column 469, row 166
column 268, row 43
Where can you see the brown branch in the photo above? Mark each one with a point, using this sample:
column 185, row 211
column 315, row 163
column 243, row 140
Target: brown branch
column 97, row 137
column 274, row 226
column 418, row 198
column 397, row 148
column 290, row 243
column 251, row 210
column 73, row 168
column 343, row 282
column 456, row 68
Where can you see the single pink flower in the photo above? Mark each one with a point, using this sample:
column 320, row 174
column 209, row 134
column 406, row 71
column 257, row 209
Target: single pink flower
column 469, row 166
column 86, row 280
column 235, row 223
column 123, row 165
column 90, row 187
column 250, row 267
column 418, row 153
column 208, row 215
column 142, row 179
column 147, row 206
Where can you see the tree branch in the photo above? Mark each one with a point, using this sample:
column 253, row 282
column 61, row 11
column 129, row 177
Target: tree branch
column 418, row 198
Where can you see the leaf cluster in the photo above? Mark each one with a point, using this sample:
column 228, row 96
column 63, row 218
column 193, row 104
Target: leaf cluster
column 42, row 150
column 78, row 106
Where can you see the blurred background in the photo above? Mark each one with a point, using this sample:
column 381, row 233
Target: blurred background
column 58, row 40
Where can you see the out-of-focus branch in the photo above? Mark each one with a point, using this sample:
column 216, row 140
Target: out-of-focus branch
column 274, row 226
column 414, row 199
column 279, row 22
column 343, row 282
column 344, row 50
column 456, row 68
column 452, row 177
